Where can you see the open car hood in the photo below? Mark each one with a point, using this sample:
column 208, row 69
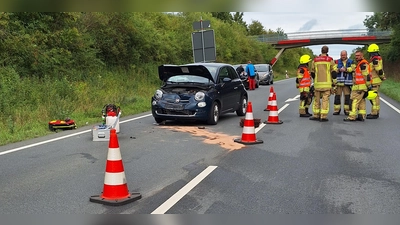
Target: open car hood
column 167, row 71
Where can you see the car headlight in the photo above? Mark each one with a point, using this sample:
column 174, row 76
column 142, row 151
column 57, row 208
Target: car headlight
column 158, row 94
column 199, row 96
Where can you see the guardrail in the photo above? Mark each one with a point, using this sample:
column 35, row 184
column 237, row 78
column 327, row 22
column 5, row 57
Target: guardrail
column 274, row 38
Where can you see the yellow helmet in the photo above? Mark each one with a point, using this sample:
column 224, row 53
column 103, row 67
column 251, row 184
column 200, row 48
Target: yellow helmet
column 372, row 95
column 305, row 59
column 373, row 48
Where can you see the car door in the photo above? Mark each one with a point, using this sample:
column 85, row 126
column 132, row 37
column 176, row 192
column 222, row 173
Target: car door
column 226, row 88
column 237, row 87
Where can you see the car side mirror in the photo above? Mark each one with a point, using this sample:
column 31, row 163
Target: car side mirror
column 226, row 80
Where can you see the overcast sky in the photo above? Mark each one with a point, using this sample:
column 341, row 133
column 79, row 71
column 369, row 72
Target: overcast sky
column 292, row 22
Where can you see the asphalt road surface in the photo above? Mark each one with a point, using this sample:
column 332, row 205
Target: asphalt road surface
column 302, row 166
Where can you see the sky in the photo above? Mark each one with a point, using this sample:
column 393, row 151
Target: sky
column 293, row 22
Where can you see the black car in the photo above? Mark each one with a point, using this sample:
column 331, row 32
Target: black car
column 198, row 91
column 265, row 73
column 244, row 76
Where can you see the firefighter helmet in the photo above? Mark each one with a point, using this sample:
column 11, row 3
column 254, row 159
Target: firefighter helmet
column 373, row 48
column 372, row 95
column 305, row 59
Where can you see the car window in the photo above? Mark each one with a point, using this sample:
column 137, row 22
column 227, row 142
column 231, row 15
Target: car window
column 212, row 69
column 261, row 68
column 187, row 79
column 232, row 73
column 223, row 73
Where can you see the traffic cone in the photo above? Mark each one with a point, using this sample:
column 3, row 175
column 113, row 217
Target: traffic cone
column 115, row 190
column 249, row 133
column 271, row 93
column 273, row 113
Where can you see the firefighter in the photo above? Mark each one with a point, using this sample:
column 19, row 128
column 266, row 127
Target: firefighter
column 344, row 83
column 323, row 72
column 359, row 89
column 303, row 83
column 377, row 76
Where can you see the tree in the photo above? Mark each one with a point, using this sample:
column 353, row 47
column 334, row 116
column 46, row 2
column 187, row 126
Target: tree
column 387, row 21
column 238, row 18
column 224, row 16
column 373, row 22
column 256, row 28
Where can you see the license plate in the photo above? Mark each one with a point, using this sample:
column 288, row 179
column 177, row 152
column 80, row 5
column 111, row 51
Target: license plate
column 173, row 106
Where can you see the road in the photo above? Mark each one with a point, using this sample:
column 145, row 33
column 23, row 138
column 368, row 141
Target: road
column 302, row 166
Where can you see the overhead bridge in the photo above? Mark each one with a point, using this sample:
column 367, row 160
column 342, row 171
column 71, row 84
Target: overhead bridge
column 303, row 39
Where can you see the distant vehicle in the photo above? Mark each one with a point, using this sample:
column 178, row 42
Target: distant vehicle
column 265, row 73
column 244, row 77
column 198, row 91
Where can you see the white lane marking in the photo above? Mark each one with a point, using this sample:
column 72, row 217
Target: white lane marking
column 60, row 138
column 295, row 98
column 390, row 105
column 261, row 126
column 183, row 191
column 136, row 118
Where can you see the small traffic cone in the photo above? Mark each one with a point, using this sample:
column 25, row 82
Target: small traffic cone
column 273, row 113
column 115, row 190
column 249, row 133
column 271, row 93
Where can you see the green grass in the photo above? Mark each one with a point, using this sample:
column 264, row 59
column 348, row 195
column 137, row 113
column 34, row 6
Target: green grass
column 391, row 88
column 81, row 101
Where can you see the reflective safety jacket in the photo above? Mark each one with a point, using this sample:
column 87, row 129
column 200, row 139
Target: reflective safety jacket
column 360, row 76
column 377, row 73
column 304, row 78
column 345, row 78
column 323, row 66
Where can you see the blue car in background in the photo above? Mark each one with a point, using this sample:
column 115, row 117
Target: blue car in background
column 198, row 92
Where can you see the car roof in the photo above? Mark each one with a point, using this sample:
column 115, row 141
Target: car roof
column 262, row 64
column 237, row 65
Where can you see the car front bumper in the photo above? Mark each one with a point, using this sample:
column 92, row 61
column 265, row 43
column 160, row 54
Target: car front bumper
column 180, row 111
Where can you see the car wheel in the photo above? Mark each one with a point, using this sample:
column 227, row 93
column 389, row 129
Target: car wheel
column 241, row 111
column 158, row 120
column 257, row 83
column 213, row 117
column 272, row 81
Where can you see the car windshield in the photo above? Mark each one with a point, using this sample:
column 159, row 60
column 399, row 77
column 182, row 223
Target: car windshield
column 212, row 69
column 188, row 79
column 261, row 68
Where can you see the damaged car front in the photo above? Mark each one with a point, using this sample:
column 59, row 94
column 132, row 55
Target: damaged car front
column 190, row 92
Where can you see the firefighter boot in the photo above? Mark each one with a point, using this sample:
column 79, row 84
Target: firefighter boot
column 306, row 114
column 336, row 113
column 370, row 116
column 360, row 118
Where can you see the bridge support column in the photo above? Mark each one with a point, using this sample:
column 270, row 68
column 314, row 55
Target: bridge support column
column 273, row 61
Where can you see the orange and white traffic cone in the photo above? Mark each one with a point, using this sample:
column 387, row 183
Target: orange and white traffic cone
column 115, row 190
column 249, row 133
column 271, row 93
column 273, row 113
